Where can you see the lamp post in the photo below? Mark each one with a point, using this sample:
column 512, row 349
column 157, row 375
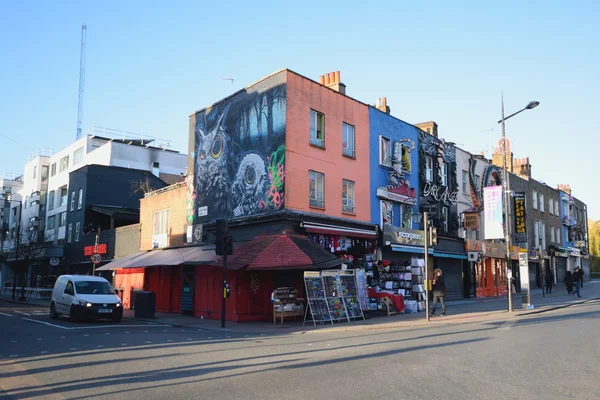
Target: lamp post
column 18, row 244
column 505, row 189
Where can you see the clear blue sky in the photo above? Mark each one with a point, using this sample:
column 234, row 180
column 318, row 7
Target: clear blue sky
column 150, row 64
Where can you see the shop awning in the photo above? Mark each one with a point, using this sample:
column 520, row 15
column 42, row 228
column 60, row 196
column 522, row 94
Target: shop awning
column 460, row 256
column 165, row 257
column 410, row 249
column 325, row 229
column 281, row 252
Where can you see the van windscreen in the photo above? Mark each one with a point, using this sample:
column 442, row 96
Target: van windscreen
column 93, row 287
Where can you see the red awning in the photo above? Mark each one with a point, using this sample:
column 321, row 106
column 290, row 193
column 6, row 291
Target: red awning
column 339, row 230
column 281, row 252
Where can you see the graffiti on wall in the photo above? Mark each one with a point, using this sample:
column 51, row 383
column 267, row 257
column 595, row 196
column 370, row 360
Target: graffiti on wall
column 239, row 156
column 190, row 199
column 438, row 169
column 492, row 176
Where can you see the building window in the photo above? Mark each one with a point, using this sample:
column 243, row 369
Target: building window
column 385, row 151
column 161, row 222
column 51, row 200
column 465, row 177
column 428, row 168
column 80, row 199
column 64, row 164
column 69, row 232
column 444, row 174
column 540, row 234
column 445, row 218
column 550, row 206
column 347, row 140
column 35, row 172
column 78, row 156
column 77, row 228
column 26, row 205
column 317, row 189
column 73, row 200
column 64, row 193
column 558, row 236
column 51, row 224
column 53, row 169
column 534, row 197
column 552, row 235
column 156, row 169
column 387, row 212
column 317, row 128
column 556, row 205
column 62, row 219
column 541, row 202
column 347, row 196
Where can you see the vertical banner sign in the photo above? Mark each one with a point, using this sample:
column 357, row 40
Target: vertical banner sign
column 524, row 274
column 520, row 217
column 492, row 203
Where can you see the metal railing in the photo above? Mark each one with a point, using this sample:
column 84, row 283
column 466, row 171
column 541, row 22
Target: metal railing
column 125, row 136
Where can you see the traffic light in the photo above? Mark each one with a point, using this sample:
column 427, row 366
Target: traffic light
column 222, row 238
column 433, row 236
column 228, row 245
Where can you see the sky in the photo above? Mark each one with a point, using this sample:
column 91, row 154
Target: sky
column 150, row 64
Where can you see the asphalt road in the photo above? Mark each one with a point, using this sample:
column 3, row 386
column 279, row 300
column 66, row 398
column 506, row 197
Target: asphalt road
column 552, row 355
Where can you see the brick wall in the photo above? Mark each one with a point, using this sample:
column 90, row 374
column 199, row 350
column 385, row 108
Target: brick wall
column 172, row 198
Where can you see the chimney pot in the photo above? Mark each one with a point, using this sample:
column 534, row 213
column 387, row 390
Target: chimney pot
column 322, row 80
column 327, row 78
column 384, row 101
column 337, row 76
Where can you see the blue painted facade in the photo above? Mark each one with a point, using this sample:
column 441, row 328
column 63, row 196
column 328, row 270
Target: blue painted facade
column 396, row 183
column 567, row 219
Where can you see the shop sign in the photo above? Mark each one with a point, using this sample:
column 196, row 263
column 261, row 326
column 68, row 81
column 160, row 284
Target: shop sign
column 97, row 249
column 440, row 194
column 533, row 255
column 474, row 245
column 395, row 235
column 471, row 221
column 431, row 209
column 514, row 252
column 493, row 250
column 519, row 209
column 580, row 243
column 492, row 200
column 399, row 194
column 574, row 252
column 561, row 254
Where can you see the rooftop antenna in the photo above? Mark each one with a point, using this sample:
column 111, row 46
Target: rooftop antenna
column 489, row 146
column 230, row 79
column 81, row 80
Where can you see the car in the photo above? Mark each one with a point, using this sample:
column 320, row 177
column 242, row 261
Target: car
column 85, row 297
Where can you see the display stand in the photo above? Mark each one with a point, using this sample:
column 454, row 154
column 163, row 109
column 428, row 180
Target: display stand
column 418, row 268
column 362, row 288
column 286, row 304
column 317, row 301
column 351, row 294
column 333, row 292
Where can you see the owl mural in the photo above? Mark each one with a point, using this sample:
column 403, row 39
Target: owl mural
column 213, row 185
column 249, row 185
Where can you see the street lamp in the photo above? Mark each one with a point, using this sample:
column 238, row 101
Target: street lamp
column 505, row 189
column 18, row 244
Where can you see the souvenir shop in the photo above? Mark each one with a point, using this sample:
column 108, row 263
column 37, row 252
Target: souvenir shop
column 490, row 274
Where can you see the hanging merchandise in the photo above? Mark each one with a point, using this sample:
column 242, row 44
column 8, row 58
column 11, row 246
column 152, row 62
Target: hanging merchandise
column 333, row 292
column 351, row 294
column 317, row 302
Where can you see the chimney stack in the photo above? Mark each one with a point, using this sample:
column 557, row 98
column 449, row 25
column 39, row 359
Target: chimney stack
column 382, row 105
column 332, row 81
column 430, row 127
column 565, row 188
column 510, row 161
column 522, row 167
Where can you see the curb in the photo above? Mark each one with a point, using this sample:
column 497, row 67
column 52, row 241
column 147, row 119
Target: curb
column 559, row 307
column 25, row 303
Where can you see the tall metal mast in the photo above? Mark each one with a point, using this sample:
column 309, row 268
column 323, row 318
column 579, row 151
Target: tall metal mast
column 81, row 80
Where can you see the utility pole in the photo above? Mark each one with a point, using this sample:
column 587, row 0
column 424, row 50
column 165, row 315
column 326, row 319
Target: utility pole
column 506, row 219
column 96, row 249
column 81, row 80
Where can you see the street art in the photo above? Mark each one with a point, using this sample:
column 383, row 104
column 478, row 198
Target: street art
column 492, row 176
column 239, row 156
column 190, row 199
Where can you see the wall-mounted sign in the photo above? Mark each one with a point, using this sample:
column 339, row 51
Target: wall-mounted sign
column 440, row 193
column 395, row 235
column 431, row 209
column 100, row 249
column 471, row 221
column 492, row 200
column 203, row 211
column 520, row 217
column 580, row 243
column 399, row 194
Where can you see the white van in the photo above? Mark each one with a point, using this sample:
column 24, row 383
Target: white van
column 84, row 296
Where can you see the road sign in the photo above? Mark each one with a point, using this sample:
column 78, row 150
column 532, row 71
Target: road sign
column 96, row 258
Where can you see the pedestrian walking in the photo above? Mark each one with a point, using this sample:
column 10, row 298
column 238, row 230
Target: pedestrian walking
column 577, row 281
column 569, row 282
column 439, row 291
column 549, row 280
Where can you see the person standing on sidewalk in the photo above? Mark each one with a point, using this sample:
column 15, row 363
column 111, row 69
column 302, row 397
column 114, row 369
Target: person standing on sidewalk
column 577, row 281
column 439, row 291
column 569, row 282
column 549, row 280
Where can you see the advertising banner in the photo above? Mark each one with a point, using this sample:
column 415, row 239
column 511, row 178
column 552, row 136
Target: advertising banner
column 492, row 203
column 520, row 217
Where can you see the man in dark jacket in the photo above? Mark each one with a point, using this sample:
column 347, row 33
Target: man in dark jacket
column 577, row 281
column 439, row 291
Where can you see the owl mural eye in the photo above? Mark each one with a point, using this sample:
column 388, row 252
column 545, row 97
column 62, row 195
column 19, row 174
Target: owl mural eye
column 250, row 175
column 216, row 148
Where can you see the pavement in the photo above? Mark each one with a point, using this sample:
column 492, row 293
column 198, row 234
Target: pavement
column 458, row 312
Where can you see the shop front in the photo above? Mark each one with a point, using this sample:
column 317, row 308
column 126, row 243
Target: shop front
column 489, row 267
column 449, row 255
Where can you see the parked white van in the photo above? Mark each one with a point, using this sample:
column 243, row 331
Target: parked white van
column 84, row 296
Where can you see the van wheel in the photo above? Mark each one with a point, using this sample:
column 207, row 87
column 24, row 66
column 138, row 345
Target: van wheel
column 72, row 316
column 53, row 314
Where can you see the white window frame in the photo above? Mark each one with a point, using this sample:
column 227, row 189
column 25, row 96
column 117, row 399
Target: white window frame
column 69, row 232
column 556, row 208
column 542, row 203
column 444, row 174
column 445, row 212
column 72, row 208
column 550, row 205
column 314, row 128
column 78, row 156
column 348, row 140
column 60, row 219
column 465, row 180
column 385, row 146
column 161, row 218
column 51, row 198
column 558, row 235
column 53, row 219
column 63, row 166
column 316, row 199
column 348, row 205
column 63, row 199
column 535, row 199
column 35, row 171
column 77, row 229
column 552, row 235
column 53, row 169
column 429, row 168
column 80, row 199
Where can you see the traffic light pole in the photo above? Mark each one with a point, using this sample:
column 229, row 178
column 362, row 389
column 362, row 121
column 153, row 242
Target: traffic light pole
column 427, row 231
column 223, row 304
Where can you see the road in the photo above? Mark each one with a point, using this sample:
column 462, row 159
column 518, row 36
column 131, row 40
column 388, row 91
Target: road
column 551, row 355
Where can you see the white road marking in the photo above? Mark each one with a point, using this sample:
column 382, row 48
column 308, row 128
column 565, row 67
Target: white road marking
column 45, row 323
column 86, row 335
column 169, row 340
column 182, row 330
column 227, row 337
column 62, row 337
column 13, row 355
column 5, row 314
column 73, row 348
column 99, row 346
column 107, row 333
column 21, row 312
column 246, row 335
column 39, row 338
column 148, row 342
column 210, row 337
column 123, row 344
column 43, row 352
column 263, row 334
column 13, row 341
column 190, row 339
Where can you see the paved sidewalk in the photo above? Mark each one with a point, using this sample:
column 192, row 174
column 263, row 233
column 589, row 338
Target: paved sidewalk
column 459, row 312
